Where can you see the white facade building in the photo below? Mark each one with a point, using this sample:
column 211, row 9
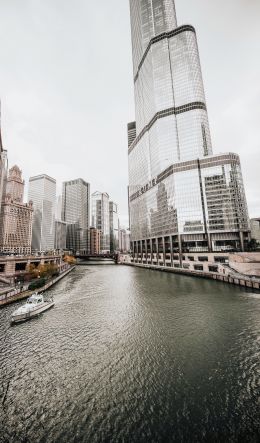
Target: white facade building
column 42, row 192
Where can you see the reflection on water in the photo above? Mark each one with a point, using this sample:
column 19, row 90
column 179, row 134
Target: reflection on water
column 130, row 355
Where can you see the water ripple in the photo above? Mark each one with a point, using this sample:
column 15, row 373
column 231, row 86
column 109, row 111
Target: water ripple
column 129, row 355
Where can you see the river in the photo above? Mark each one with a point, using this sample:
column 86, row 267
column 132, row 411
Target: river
column 131, row 355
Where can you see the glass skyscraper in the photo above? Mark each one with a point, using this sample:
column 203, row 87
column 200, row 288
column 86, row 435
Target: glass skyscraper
column 114, row 226
column 100, row 219
column 42, row 192
column 181, row 196
column 75, row 212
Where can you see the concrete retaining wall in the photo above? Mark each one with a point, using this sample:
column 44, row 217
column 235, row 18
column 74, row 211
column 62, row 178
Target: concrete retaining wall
column 244, row 282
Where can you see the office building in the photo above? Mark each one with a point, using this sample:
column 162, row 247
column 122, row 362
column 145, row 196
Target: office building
column 255, row 229
column 100, row 219
column 58, row 209
column 95, row 237
column 3, row 166
column 15, row 217
column 76, row 213
column 124, row 240
column 42, row 192
column 60, row 235
column 114, row 226
column 182, row 197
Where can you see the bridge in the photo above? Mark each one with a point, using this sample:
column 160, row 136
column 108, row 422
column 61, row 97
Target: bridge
column 98, row 257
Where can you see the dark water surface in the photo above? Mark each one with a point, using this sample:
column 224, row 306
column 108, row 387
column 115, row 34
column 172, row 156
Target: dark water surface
column 130, row 355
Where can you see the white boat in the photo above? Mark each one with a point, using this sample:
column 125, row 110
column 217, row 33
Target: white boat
column 34, row 305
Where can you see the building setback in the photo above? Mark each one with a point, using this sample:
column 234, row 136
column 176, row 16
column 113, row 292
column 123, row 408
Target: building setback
column 100, row 218
column 42, row 192
column 16, row 216
column 182, row 197
column 76, row 213
column 114, row 226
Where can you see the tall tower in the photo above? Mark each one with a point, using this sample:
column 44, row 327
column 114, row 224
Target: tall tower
column 3, row 166
column 171, row 115
column 75, row 212
column 15, row 216
column 114, row 226
column 173, row 175
column 100, row 218
column 15, row 184
column 42, row 192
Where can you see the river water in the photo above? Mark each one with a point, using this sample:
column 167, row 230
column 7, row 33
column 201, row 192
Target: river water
column 131, row 355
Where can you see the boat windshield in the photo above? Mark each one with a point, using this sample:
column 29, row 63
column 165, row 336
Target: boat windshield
column 33, row 300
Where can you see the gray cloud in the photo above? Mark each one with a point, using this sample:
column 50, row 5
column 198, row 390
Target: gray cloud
column 67, row 90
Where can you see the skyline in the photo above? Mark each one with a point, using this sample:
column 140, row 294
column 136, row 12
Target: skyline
column 51, row 91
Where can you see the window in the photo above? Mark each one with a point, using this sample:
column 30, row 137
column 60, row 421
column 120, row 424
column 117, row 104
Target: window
column 198, row 267
column 221, row 259
column 213, row 268
column 203, row 259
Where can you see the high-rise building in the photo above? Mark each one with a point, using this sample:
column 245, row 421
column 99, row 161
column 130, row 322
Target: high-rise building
column 95, row 237
column 16, row 216
column 181, row 196
column 255, row 229
column 3, row 166
column 100, row 218
column 58, row 209
column 124, row 240
column 114, row 226
column 76, row 213
column 42, row 192
column 60, row 235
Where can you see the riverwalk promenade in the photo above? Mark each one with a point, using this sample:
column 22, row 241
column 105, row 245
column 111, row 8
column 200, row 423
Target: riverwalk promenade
column 15, row 295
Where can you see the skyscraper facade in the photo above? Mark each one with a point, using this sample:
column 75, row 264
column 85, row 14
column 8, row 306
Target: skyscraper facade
column 76, row 212
column 100, row 219
column 3, row 166
column 95, row 237
column 181, row 196
column 114, row 226
column 42, row 192
column 60, row 240
column 124, row 240
column 15, row 216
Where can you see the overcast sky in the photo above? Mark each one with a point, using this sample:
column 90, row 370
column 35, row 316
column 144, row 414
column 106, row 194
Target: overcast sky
column 67, row 90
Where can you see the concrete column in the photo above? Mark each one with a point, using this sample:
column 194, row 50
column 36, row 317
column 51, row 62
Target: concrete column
column 209, row 242
column 141, row 249
column 242, row 243
column 146, row 253
column 132, row 248
column 9, row 268
column 171, row 250
column 180, row 249
column 163, row 239
column 157, row 250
